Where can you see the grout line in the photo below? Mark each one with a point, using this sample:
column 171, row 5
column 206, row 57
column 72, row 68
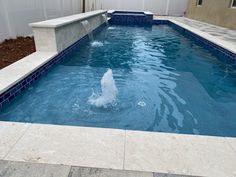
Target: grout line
column 227, row 141
column 70, row 172
column 4, row 158
column 124, row 151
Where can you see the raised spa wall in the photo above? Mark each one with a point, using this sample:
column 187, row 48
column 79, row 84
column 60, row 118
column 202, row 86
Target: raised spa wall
column 58, row 34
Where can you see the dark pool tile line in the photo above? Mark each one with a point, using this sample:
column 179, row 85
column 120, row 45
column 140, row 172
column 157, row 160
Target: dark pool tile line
column 219, row 51
column 7, row 96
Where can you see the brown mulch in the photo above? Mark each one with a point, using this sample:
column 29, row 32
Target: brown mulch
column 12, row 50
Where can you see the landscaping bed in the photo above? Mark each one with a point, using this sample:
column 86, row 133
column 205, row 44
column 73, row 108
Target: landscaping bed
column 12, row 50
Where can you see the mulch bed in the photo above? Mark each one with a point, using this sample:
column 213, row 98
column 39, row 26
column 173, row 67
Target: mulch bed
column 12, row 50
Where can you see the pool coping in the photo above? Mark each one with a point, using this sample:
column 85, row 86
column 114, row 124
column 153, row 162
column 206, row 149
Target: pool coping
column 121, row 149
column 62, row 21
column 12, row 74
column 169, row 153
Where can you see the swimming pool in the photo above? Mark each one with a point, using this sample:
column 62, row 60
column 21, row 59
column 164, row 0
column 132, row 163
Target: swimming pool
column 166, row 82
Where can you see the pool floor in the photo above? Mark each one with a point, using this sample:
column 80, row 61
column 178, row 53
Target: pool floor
column 166, row 83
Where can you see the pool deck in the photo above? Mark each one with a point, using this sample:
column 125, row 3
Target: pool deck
column 118, row 149
column 101, row 148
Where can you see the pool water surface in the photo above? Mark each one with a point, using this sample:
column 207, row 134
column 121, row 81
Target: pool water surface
column 165, row 81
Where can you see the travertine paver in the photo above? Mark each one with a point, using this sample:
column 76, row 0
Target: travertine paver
column 179, row 154
column 126, row 150
column 19, row 169
column 68, row 145
column 9, row 135
column 232, row 143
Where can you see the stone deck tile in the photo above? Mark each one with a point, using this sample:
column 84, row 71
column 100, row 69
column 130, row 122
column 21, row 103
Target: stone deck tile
column 68, row 145
column 10, row 133
column 179, row 154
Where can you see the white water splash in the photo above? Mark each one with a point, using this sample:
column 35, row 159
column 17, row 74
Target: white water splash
column 109, row 92
column 96, row 44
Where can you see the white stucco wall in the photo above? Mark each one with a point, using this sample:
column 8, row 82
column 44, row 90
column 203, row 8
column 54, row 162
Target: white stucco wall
column 158, row 7
column 15, row 15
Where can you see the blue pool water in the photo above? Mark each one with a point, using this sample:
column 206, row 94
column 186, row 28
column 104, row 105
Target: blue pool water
column 165, row 81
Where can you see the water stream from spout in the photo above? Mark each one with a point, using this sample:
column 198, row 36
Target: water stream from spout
column 86, row 26
column 105, row 19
